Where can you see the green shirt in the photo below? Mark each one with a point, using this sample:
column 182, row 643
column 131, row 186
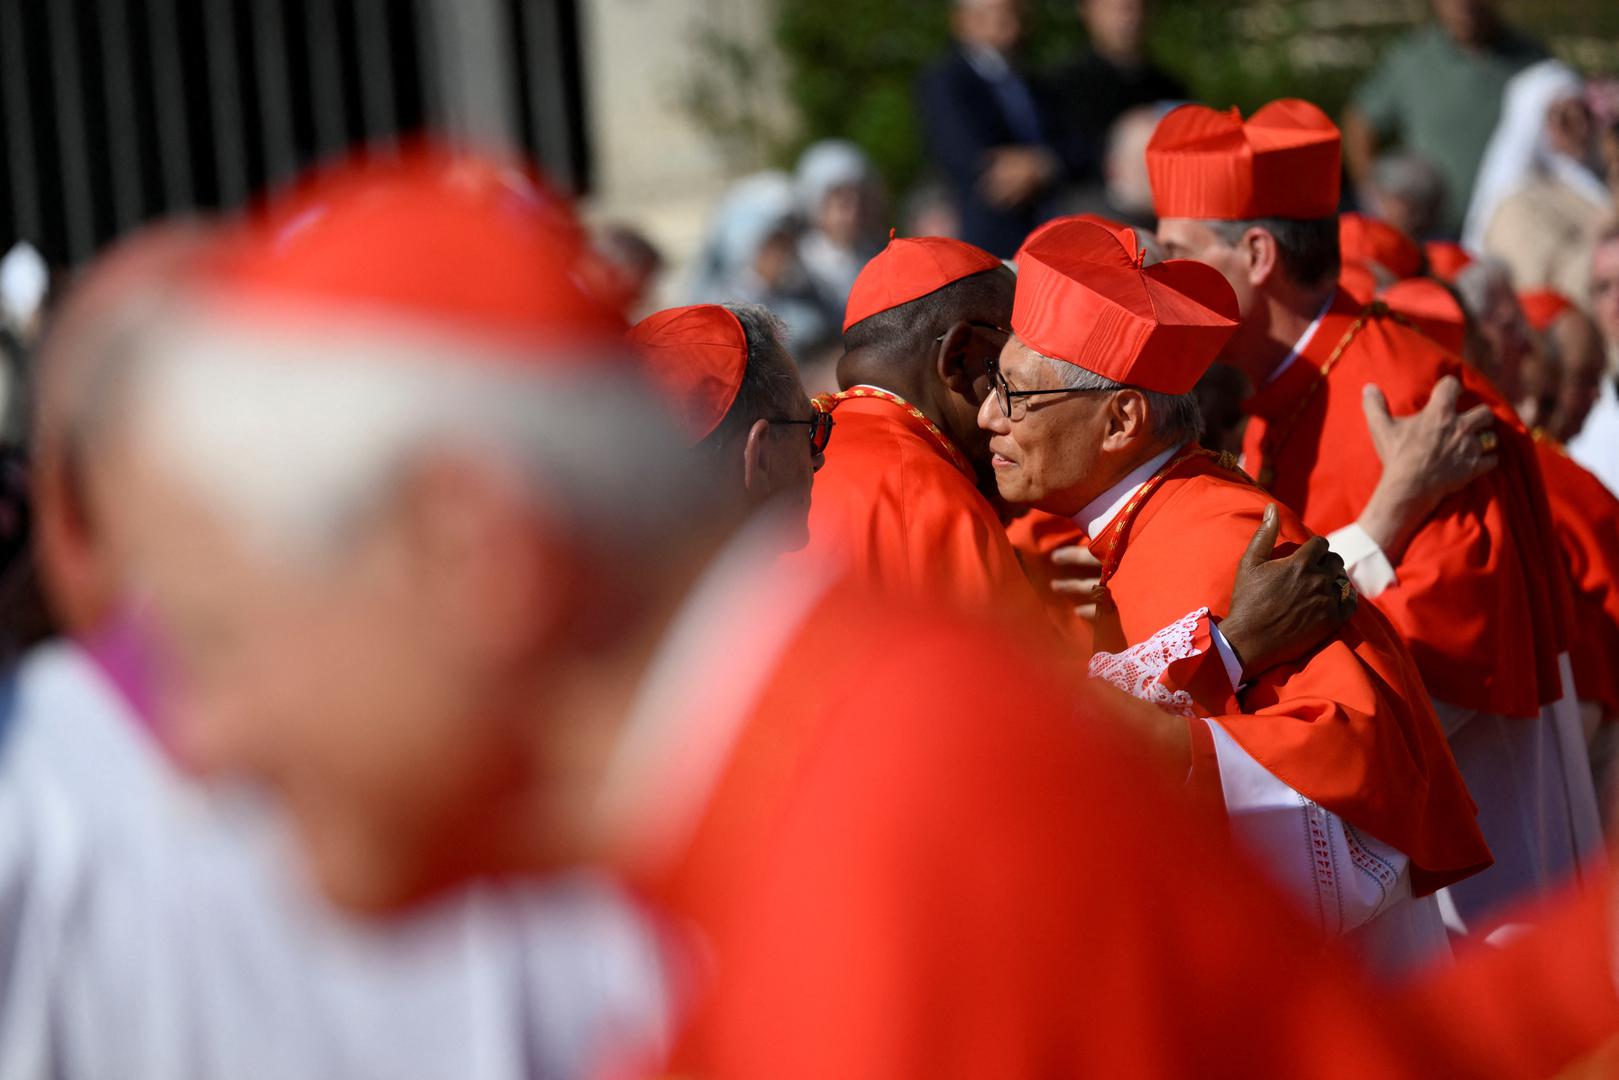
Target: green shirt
column 1441, row 100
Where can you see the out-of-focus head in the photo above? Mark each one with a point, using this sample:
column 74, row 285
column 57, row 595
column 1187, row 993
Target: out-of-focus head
column 988, row 24
column 1113, row 351
column 1468, row 22
column 1124, row 166
column 1408, row 192
column 1256, row 199
column 1373, row 254
column 727, row 375
column 1485, row 288
column 632, row 264
column 838, row 186
column 1573, row 343
column 1605, row 285
column 754, row 231
column 125, row 293
column 389, row 479
column 1117, row 28
column 924, row 319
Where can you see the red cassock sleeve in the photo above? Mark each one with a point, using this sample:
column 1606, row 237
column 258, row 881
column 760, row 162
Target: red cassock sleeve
column 969, row 876
column 889, row 505
column 1479, row 598
column 1585, row 517
column 1350, row 725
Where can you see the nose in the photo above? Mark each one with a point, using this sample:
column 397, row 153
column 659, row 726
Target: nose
column 990, row 417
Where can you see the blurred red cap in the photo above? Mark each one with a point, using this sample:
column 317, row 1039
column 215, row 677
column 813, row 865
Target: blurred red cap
column 697, row 356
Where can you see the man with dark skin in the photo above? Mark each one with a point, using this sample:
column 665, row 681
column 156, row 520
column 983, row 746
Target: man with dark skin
column 901, row 499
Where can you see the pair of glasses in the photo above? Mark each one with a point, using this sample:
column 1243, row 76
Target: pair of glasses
column 820, row 432
column 1005, row 395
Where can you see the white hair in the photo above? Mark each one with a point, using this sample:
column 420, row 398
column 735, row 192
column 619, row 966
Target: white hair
column 296, row 435
column 1175, row 418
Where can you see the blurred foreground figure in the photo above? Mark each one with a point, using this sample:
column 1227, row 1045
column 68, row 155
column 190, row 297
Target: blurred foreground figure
column 396, row 524
column 1473, row 583
column 157, row 930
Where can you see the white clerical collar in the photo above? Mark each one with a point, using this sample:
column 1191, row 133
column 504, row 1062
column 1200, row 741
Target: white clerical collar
column 1099, row 513
column 1302, row 343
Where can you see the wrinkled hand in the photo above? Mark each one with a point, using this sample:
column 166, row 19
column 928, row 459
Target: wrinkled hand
column 1281, row 609
column 1081, row 580
column 1015, row 174
column 1426, row 456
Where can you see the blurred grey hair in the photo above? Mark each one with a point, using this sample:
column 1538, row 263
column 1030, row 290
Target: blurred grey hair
column 1176, row 418
column 770, row 385
column 1479, row 280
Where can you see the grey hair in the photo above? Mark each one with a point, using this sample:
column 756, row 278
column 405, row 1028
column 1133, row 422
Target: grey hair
column 770, row 386
column 1176, row 418
column 1308, row 246
column 1479, row 280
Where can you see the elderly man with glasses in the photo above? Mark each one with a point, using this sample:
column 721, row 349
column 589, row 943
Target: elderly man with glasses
column 1331, row 766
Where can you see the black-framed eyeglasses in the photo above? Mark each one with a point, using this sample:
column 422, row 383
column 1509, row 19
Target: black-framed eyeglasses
column 820, row 432
column 1005, row 395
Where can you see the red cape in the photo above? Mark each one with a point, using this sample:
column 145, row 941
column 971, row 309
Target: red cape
column 1349, row 727
column 1585, row 516
column 1480, row 599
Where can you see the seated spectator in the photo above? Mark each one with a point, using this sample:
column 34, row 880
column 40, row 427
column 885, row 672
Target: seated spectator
column 1540, row 196
column 841, row 204
column 1438, row 90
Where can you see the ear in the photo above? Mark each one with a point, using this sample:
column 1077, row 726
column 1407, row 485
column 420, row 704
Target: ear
column 1127, row 420
column 950, row 362
column 756, row 461
column 1264, row 258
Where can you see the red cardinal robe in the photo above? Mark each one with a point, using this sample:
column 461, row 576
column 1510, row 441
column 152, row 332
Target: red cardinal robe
column 1585, row 517
column 919, row 855
column 1349, row 726
column 1479, row 599
column 900, row 505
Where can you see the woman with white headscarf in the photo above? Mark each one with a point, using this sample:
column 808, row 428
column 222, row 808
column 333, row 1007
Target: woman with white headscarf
column 750, row 255
column 837, row 186
column 1540, row 196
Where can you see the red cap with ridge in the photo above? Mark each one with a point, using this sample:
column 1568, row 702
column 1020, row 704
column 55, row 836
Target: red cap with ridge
column 1281, row 162
column 697, row 356
column 1127, row 236
column 1431, row 308
column 1446, row 259
column 1542, row 307
column 1083, row 297
column 1369, row 239
column 451, row 241
column 910, row 268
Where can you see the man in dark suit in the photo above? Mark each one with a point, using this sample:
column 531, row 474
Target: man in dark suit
column 991, row 130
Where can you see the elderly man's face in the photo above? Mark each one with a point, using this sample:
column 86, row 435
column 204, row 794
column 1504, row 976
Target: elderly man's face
column 1045, row 454
column 335, row 685
column 993, row 24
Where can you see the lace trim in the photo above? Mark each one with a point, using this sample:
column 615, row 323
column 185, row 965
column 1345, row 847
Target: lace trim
column 1139, row 670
